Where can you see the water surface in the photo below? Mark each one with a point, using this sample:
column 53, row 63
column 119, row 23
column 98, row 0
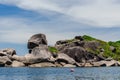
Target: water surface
column 95, row 73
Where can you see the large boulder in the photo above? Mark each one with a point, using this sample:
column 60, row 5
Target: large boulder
column 79, row 50
column 36, row 40
column 61, row 45
column 93, row 45
column 69, row 65
column 7, row 52
column 99, row 63
column 18, row 58
column 106, row 63
column 38, row 54
column 79, row 54
column 31, row 59
column 43, row 64
column 18, row 64
column 65, row 58
column 5, row 60
column 41, row 51
column 88, row 65
column 111, row 63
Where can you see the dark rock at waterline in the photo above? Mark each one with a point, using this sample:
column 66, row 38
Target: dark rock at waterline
column 36, row 40
column 5, row 57
column 2, row 65
column 5, row 60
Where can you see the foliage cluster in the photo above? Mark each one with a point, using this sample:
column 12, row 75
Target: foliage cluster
column 52, row 49
column 106, row 46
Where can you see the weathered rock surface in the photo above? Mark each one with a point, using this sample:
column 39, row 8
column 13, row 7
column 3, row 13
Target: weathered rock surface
column 58, row 64
column 42, row 52
column 38, row 54
column 18, row 58
column 5, row 60
column 61, row 42
column 79, row 54
column 79, row 50
column 43, row 64
column 2, row 54
column 69, row 65
column 88, row 65
column 7, row 52
column 36, row 40
column 5, row 55
column 76, row 52
column 93, row 45
column 111, row 63
column 100, row 63
column 106, row 63
column 17, row 64
column 65, row 58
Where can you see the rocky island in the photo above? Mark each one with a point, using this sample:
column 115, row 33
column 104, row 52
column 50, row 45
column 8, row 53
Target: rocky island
column 81, row 51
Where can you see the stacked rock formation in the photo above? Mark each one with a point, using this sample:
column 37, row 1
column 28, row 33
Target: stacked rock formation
column 70, row 53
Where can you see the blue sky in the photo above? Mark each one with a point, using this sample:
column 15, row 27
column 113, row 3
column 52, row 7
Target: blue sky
column 58, row 19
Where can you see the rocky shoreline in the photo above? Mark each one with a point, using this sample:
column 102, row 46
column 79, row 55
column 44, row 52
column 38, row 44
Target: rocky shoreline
column 66, row 53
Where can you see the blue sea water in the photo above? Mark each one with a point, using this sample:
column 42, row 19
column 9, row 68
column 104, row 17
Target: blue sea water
column 94, row 73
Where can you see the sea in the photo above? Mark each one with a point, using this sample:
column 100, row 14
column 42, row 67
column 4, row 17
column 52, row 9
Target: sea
column 93, row 73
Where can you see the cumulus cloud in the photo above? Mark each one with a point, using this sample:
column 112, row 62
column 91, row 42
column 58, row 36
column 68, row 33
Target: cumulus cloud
column 34, row 5
column 13, row 30
column 98, row 13
column 19, row 30
column 67, row 19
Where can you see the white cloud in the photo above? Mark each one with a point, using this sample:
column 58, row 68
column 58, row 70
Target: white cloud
column 77, row 17
column 102, row 13
column 19, row 30
column 99, row 13
column 13, row 30
column 34, row 5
